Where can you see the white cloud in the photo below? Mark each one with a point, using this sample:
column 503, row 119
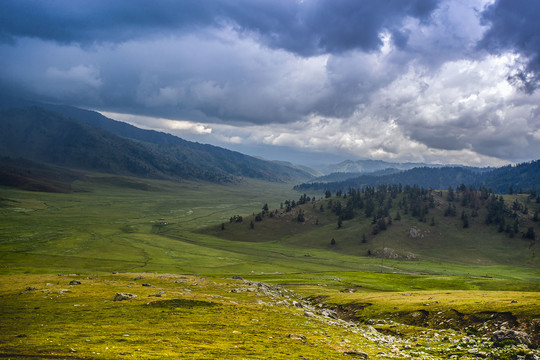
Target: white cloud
column 181, row 128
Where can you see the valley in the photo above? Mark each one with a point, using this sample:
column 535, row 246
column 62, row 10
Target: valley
column 316, row 300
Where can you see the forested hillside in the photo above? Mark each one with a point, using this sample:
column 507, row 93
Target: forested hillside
column 83, row 139
column 519, row 178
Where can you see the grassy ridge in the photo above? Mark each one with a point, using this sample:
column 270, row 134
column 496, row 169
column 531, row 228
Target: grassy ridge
column 438, row 239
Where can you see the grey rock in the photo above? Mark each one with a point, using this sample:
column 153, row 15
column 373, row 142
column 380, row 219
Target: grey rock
column 236, row 277
column 519, row 337
column 74, row 282
column 124, row 296
column 297, row 337
column 31, row 288
column 329, row 313
column 356, row 354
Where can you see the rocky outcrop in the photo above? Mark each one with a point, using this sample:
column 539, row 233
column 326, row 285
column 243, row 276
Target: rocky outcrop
column 124, row 296
column 519, row 337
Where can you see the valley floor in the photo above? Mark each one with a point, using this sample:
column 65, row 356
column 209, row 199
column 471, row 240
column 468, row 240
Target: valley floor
column 192, row 317
column 65, row 257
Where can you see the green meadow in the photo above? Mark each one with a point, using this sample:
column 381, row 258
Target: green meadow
column 179, row 237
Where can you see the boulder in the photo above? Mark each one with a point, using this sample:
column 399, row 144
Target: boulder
column 356, row 354
column 415, row 233
column 519, row 337
column 124, row 296
column 297, row 337
column 74, row 282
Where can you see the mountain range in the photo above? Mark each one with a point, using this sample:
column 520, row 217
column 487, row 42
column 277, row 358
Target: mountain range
column 368, row 166
column 521, row 177
column 86, row 140
column 44, row 147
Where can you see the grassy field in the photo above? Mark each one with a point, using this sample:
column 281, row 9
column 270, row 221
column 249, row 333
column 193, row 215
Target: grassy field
column 162, row 230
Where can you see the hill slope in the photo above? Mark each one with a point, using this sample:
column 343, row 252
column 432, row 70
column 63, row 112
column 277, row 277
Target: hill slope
column 524, row 176
column 203, row 156
column 369, row 166
column 88, row 140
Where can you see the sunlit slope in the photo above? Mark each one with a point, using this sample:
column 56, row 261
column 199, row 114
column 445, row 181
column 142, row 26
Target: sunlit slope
column 434, row 236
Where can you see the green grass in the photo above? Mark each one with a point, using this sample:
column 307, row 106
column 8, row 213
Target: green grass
column 147, row 226
column 195, row 318
column 447, row 241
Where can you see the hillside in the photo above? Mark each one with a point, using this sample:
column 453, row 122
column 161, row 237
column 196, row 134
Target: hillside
column 369, row 166
column 203, row 156
column 460, row 226
column 29, row 175
column 88, row 140
column 524, row 176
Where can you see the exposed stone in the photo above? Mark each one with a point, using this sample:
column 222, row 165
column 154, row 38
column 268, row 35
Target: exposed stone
column 124, row 296
column 31, row 288
column 74, row 282
column 519, row 337
column 297, row 337
column 138, row 277
column 414, row 233
column 357, row 354
column 329, row 313
column 236, row 277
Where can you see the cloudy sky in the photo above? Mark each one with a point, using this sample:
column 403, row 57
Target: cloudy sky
column 439, row 81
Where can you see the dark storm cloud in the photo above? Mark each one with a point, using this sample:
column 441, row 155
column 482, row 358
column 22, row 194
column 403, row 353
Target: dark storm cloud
column 404, row 80
column 328, row 26
column 304, row 27
column 515, row 25
column 89, row 21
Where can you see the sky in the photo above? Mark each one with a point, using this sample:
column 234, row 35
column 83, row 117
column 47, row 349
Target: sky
column 307, row 81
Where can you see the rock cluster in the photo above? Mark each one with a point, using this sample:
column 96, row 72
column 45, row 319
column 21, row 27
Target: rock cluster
column 124, row 296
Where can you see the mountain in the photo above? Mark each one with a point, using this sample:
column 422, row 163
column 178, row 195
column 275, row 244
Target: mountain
column 524, row 176
column 342, row 176
column 208, row 157
column 368, row 166
column 83, row 139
